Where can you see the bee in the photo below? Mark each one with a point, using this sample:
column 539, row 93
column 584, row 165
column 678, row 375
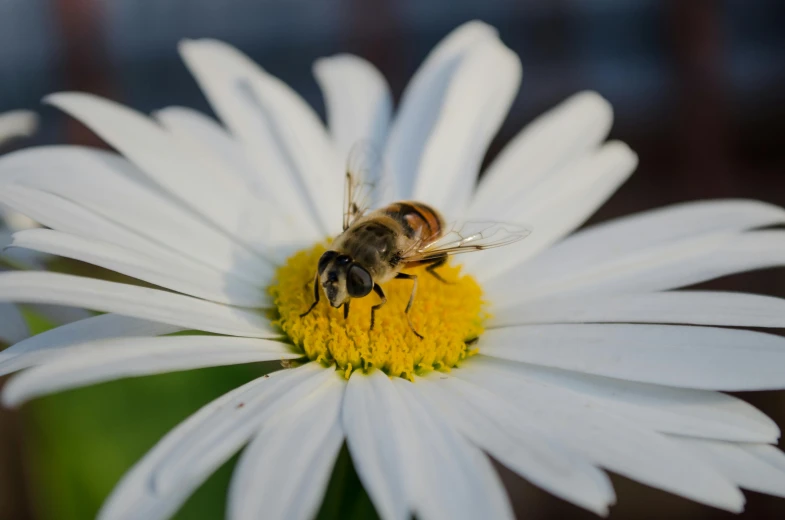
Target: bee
column 375, row 246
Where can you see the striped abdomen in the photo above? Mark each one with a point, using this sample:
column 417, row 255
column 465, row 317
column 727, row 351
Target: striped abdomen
column 419, row 221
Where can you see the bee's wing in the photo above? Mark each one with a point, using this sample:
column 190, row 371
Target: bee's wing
column 362, row 167
column 466, row 237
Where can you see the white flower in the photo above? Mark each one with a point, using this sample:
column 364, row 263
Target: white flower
column 19, row 123
column 589, row 361
column 13, row 326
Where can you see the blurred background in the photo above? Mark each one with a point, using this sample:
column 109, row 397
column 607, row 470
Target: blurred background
column 698, row 89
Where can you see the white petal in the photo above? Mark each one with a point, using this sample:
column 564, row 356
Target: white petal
column 202, row 283
column 369, row 420
column 63, row 215
column 130, row 300
column 95, row 362
column 475, row 104
column 685, row 356
column 105, row 184
column 357, row 99
column 756, row 467
column 285, row 470
column 458, row 480
column 13, row 326
column 688, row 307
column 198, row 129
column 14, row 221
column 696, row 413
column 770, row 454
column 46, row 345
column 182, row 171
column 553, row 209
column 686, row 263
column 561, row 135
column 422, row 101
column 159, row 483
column 617, row 444
column 223, row 75
column 519, row 445
column 409, row 461
column 681, row 243
column 17, row 123
column 267, row 225
column 279, row 119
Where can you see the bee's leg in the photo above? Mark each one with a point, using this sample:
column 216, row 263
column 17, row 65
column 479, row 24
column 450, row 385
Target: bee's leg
column 315, row 296
column 378, row 290
column 437, row 262
column 346, row 309
column 405, row 276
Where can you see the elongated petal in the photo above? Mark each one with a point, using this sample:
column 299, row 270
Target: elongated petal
column 95, row 362
column 701, row 234
column 474, row 106
column 696, row 413
column 184, row 172
column 757, row 467
column 691, row 357
column 106, row 184
column 285, row 470
column 555, row 208
column 280, row 119
column 487, row 422
column 407, row 459
column 224, row 75
column 615, row 443
column 63, row 215
column 422, row 101
column 550, row 142
column 41, row 346
column 458, row 480
column 17, row 123
column 358, row 101
column 688, row 307
column 368, row 419
column 202, row 283
column 13, row 326
column 159, row 483
column 129, row 300
column 198, row 129
column 685, row 263
column 266, row 225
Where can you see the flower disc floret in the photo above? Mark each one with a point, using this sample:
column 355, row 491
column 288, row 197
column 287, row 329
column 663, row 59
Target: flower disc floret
column 449, row 316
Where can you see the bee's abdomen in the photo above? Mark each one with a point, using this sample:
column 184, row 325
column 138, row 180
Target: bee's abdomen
column 419, row 221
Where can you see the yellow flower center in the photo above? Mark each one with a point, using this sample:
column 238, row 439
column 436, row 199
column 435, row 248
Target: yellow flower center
column 449, row 316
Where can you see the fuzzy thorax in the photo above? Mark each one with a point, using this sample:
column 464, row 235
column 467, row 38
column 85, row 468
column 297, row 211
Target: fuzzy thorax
column 448, row 315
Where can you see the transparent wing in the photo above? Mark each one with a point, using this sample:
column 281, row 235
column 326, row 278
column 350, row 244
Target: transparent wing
column 362, row 165
column 467, row 237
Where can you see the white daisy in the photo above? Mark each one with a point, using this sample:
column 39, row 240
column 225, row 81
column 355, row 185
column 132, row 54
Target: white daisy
column 588, row 363
column 13, row 327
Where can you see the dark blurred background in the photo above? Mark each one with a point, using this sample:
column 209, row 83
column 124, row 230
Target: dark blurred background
column 699, row 92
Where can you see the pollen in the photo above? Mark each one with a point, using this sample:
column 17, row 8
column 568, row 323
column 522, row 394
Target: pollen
column 449, row 316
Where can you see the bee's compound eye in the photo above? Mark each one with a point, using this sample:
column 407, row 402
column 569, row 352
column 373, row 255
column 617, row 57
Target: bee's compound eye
column 326, row 258
column 358, row 281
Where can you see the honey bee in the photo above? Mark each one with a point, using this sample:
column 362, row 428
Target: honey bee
column 376, row 246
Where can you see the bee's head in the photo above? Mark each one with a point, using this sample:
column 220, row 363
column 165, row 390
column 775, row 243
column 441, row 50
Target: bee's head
column 342, row 278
